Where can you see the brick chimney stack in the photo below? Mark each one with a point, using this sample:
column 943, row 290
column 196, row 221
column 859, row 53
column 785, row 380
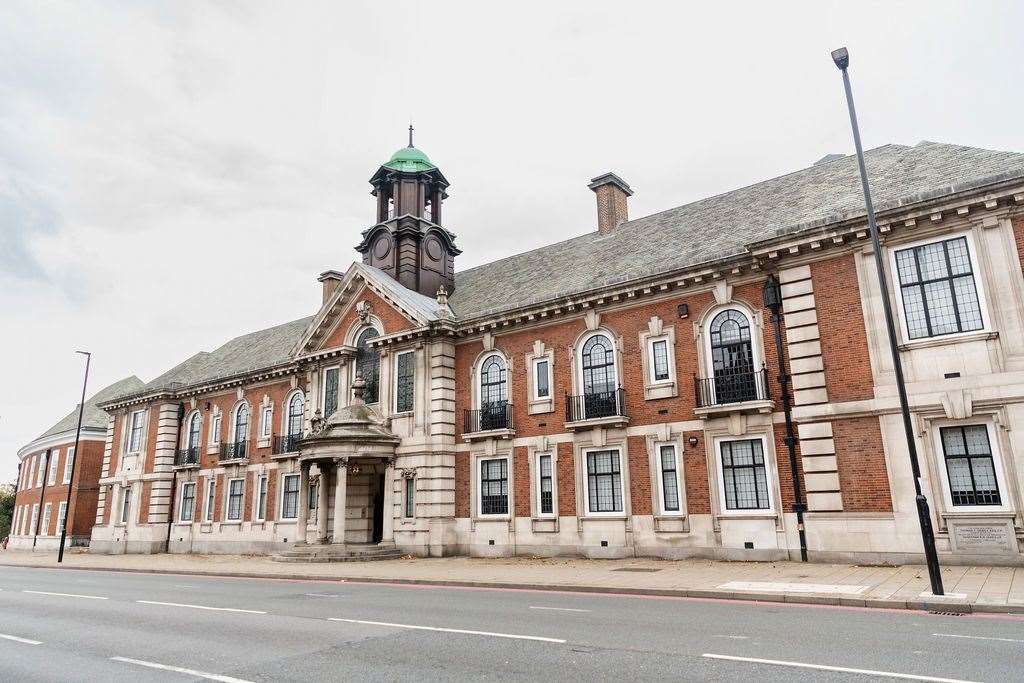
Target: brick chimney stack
column 612, row 201
column 331, row 280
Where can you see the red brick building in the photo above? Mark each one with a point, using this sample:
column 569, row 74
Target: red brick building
column 617, row 393
column 45, row 470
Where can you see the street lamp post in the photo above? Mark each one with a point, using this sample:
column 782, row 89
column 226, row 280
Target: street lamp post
column 841, row 57
column 74, row 463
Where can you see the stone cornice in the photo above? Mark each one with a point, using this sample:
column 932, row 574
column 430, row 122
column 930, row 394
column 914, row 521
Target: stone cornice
column 65, row 438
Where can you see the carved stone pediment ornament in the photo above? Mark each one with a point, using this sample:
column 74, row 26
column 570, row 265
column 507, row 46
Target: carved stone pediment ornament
column 364, row 308
column 408, row 472
column 316, row 424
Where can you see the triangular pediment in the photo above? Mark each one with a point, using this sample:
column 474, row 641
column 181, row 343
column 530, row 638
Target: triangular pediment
column 366, row 293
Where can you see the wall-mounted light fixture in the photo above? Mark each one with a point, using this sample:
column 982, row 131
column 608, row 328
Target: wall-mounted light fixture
column 693, row 441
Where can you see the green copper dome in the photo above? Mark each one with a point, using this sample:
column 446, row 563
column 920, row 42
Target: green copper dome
column 409, row 160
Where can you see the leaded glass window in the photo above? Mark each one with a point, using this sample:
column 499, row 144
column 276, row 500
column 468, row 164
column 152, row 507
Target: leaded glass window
column 330, row 391
column 290, row 497
column 669, row 479
column 405, row 376
column 546, row 485
column 604, row 481
column 235, row 488
column 194, row 424
column 368, row 364
column 659, row 351
column 969, row 466
column 542, row 368
column 493, row 393
column 296, row 405
column 494, row 487
column 744, row 475
column 732, row 357
column 188, row 502
column 135, row 433
column 938, row 289
column 410, row 498
column 241, row 423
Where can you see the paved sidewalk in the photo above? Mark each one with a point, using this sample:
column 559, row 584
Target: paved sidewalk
column 978, row 589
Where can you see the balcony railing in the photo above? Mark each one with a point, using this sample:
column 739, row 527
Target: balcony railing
column 187, row 456
column 234, row 450
column 731, row 387
column 595, row 405
column 286, row 443
column 490, row 416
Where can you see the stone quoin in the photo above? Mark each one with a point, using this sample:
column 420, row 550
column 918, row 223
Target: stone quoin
column 616, row 394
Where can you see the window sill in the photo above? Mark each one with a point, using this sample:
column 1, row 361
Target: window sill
column 604, row 517
column 947, row 339
column 748, row 514
column 263, row 442
column 489, row 434
column 978, row 512
column 547, row 524
column 610, row 421
column 765, row 406
column 493, row 518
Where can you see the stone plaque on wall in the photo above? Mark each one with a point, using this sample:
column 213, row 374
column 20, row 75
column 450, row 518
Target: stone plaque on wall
column 984, row 538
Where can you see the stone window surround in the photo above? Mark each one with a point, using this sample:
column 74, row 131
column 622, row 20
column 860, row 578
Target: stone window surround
column 51, row 473
column 216, row 427
column 657, row 331
column 654, row 444
column 234, row 418
column 934, row 466
column 537, row 405
column 127, row 426
column 227, row 500
column 286, row 406
column 702, row 333
column 478, row 500
column 737, row 428
column 210, row 499
column 281, row 477
column 600, row 441
column 491, row 452
column 393, row 357
column 266, row 427
column 577, row 352
column 535, row 455
column 475, row 374
column 186, row 423
column 979, row 276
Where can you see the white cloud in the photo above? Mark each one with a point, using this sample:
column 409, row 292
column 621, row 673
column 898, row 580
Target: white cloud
column 175, row 174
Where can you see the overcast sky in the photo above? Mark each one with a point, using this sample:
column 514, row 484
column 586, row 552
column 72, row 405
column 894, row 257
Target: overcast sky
column 175, row 174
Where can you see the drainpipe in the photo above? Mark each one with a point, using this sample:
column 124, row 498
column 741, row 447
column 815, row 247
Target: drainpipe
column 773, row 301
column 174, row 479
column 39, row 516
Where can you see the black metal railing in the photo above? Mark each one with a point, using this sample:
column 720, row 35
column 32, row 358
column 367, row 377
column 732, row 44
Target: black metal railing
column 495, row 415
column 731, row 387
column 595, row 405
column 286, row 443
column 187, row 456
column 234, row 450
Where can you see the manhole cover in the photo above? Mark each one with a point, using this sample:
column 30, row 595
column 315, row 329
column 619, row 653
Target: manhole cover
column 636, row 569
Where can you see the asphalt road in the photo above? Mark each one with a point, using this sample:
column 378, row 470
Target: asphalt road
column 83, row 625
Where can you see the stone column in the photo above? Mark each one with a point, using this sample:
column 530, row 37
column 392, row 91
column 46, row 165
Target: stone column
column 303, row 504
column 388, row 535
column 321, row 505
column 340, row 494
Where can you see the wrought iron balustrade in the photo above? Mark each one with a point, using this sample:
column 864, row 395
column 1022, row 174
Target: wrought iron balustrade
column 495, row 415
column 234, row 450
column 187, row 456
column 595, row 405
column 731, row 386
column 286, row 443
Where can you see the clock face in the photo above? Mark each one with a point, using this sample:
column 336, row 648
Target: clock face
column 434, row 249
column 381, row 248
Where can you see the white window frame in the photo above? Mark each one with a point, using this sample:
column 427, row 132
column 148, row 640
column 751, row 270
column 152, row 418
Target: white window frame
column 771, row 477
column 554, row 485
column 260, row 499
column 125, row 511
column 585, row 489
column 215, row 429
column 234, row 421
column 227, row 500
column 578, row 360
column 141, row 415
column 756, row 342
column 534, row 368
column 210, row 499
column 997, row 462
column 181, row 503
column 62, row 515
column 266, row 421
column 298, row 497
column 680, row 498
column 479, row 377
column 41, row 470
column 51, row 476
column 652, row 379
column 286, row 410
column 69, row 464
column 34, row 521
column 323, row 389
column 47, row 514
column 408, row 486
column 394, row 382
column 479, row 490
column 979, row 286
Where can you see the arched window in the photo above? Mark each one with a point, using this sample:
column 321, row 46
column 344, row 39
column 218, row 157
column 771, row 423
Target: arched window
column 241, row 432
column 193, row 432
column 368, row 364
column 296, row 405
column 601, row 395
column 493, row 393
column 732, row 357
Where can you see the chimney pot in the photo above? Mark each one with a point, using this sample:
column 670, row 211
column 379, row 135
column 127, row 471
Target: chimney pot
column 612, row 201
column 331, row 279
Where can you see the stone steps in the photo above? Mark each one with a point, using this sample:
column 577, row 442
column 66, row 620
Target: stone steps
column 338, row 553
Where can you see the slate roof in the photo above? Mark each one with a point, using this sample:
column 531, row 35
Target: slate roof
column 92, row 416
column 723, row 226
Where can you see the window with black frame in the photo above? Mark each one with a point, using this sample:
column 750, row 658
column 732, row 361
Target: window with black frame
column 290, row 497
column 970, row 467
column 546, row 487
column 235, row 494
column 493, row 393
column 669, row 479
column 296, row 407
column 331, row 376
column 494, row 487
column 732, row 357
column 604, row 481
column 744, row 475
column 188, row 502
column 409, row 509
column 241, row 430
column 938, row 290
column 405, row 378
column 368, row 364
column 193, row 442
column 599, row 378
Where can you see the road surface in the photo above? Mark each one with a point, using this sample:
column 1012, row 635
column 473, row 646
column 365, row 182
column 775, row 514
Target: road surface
column 64, row 625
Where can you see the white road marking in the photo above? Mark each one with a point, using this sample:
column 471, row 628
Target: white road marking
column 20, row 640
column 181, row 670
column 559, row 609
column 323, row 595
column 68, row 595
column 956, row 635
column 448, row 630
column 843, row 669
column 775, row 587
column 733, row 637
column 182, row 585
column 216, row 609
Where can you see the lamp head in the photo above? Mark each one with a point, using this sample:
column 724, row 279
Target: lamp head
column 841, row 57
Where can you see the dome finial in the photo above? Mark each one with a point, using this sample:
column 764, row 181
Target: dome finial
column 410, row 134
